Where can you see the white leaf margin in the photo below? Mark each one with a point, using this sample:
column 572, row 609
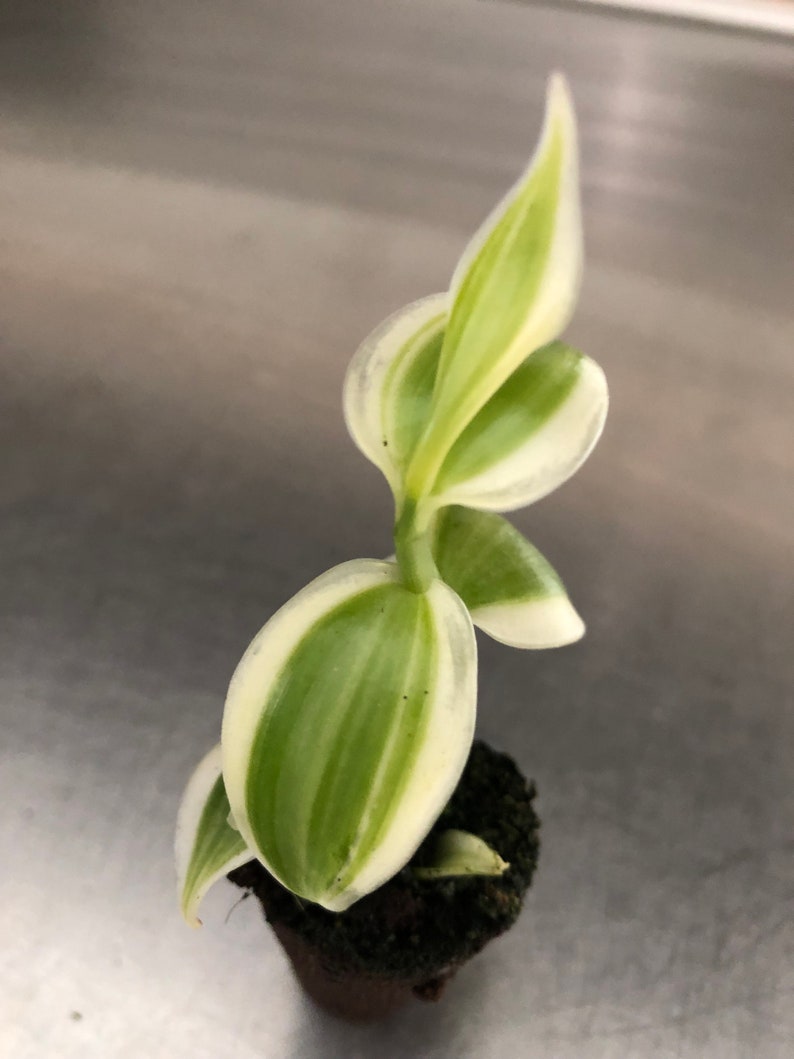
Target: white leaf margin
column 535, row 625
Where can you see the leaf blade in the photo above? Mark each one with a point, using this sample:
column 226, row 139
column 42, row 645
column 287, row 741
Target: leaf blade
column 531, row 436
column 512, row 592
column 459, row 853
column 514, row 289
column 333, row 700
column 373, row 387
column 206, row 847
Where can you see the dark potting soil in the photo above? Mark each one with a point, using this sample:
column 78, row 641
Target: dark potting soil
column 411, row 927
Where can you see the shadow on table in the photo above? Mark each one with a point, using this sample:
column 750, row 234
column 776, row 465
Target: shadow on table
column 445, row 1027
column 53, row 52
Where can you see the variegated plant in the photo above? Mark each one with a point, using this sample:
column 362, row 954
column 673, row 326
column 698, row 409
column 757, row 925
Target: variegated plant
column 350, row 717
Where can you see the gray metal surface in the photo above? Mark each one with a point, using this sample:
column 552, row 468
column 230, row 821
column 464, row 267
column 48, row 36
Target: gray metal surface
column 203, row 208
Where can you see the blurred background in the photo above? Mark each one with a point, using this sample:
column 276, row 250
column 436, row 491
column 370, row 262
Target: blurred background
column 203, row 209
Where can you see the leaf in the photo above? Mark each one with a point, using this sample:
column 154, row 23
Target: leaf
column 513, row 290
column 512, row 592
column 461, row 853
column 531, row 436
column 347, row 724
column 389, row 385
column 206, row 846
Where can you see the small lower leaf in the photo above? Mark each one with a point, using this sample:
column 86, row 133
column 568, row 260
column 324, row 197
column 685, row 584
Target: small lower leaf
column 206, row 846
column 512, row 592
column 461, row 853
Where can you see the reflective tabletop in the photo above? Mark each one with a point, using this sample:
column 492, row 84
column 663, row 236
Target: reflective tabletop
column 203, row 209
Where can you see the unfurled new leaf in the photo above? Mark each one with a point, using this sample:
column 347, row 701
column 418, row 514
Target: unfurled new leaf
column 513, row 290
column 206, row 846
column 512, row 592
column 347, row 725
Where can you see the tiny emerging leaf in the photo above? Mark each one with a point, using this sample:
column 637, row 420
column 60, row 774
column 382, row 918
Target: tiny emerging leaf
column 461, row 853
column 512, row 592
column 206, row 846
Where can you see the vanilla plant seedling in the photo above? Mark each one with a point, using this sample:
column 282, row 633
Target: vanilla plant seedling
column 351, row 715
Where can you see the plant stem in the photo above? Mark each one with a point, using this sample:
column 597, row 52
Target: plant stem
column 412, row 544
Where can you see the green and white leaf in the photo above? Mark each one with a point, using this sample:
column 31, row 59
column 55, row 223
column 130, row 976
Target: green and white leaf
column 514, row 289
column 512, row 592
column 461, row 853
column 347, row 725
column 531, row 436
column 206, row 846
column 389, row 385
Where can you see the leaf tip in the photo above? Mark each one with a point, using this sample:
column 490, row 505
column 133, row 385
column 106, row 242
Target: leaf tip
column 559, row 101
column 191, row 918
column 558, row 90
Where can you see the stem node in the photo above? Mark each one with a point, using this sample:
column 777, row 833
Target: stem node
column 412, row 545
